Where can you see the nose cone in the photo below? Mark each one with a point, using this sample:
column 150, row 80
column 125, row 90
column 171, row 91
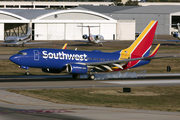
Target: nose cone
column 14, row 59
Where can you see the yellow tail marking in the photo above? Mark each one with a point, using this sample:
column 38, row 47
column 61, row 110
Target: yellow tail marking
column 65, row 45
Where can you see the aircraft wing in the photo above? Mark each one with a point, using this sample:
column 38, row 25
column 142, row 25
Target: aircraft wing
column 167, row 40
column 108, row 41
column 89, row 42
column 124, row 61
column 37, row 42
column 82, row 41
column 12, row 43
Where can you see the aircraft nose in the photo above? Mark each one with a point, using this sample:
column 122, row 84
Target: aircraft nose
column 13, row 58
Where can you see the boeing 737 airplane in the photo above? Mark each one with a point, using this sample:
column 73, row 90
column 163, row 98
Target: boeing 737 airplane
column 78, row 62
column 19, row 40
column 95, row 39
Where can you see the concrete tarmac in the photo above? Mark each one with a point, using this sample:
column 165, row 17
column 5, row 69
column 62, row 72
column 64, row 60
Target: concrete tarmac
column 66, row 81
column 19, row 107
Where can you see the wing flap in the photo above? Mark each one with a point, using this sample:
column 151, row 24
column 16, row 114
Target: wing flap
column 38, row 42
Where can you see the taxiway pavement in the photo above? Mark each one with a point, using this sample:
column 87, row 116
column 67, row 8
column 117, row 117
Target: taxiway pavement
column 20, row 107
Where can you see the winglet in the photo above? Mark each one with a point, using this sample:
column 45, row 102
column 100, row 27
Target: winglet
column 155, row 51
column 65, row 45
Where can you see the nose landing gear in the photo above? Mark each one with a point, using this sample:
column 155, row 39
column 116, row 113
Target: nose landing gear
column 27, row 72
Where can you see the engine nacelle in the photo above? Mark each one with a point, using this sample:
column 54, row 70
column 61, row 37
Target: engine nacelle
column 76, row 68
column 175, row 35
column 50, row 70
column 84, row 36
column 99, row 37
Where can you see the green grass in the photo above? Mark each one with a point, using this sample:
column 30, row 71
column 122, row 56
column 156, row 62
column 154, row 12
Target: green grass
column 146, row 98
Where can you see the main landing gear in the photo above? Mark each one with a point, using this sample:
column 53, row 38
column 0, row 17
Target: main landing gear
column 100, row 44
column 27, row 72
column 91, row 77
column 22, row 44
column 77, row 76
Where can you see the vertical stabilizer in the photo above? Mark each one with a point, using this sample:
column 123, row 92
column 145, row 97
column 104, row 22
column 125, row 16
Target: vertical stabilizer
column 142, row 45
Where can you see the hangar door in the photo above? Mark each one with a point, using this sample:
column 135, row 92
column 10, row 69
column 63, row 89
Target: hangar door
column 40, row 32
column 55, row 32
column 108, row 31
column 73, row 32
column 49, row 31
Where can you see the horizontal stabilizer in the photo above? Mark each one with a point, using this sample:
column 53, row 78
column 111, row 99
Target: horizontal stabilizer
column 155, row 51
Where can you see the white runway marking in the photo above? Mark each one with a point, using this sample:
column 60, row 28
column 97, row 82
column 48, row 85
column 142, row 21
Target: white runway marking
column 144, row 82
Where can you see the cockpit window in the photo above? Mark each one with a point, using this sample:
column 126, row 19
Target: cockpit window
column 22, row 53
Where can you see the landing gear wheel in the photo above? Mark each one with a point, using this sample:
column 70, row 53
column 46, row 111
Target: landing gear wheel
column 100, row 44
column 23, row 45
column 76, row 76
column 91, row 77
column 27, row 73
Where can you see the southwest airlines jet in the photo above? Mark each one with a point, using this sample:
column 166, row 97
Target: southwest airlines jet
column 78, row 62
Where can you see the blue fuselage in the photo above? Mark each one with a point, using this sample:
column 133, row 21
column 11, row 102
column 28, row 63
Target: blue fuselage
column 58, row 58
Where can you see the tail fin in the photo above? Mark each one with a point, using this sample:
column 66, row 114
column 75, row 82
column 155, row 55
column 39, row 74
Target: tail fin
column 142, row 45
column 64, row 47
column 29, row 31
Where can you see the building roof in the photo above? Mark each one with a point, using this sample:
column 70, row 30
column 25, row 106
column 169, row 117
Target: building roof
column 105, row 9
column 29, row 13
column 152, row 9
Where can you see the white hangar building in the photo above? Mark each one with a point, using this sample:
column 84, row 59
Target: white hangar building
column 164, row 14
column 62, row 24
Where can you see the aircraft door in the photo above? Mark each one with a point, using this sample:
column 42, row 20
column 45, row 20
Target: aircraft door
column 36, row 55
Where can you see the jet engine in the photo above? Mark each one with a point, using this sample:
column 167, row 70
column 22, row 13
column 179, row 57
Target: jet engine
column 99, row 37
column 175, row 35
column 84, row 36
column 50, row 70
column 76, row 68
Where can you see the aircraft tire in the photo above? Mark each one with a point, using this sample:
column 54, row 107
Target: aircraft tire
column 91, row 77
column 76, row 76
column 27, row 73
column 100, row 44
